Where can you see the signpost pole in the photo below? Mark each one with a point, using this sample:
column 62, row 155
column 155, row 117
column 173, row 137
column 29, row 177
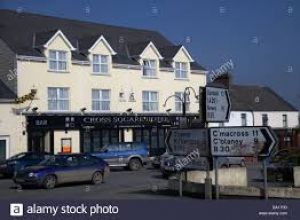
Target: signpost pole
column 216, row 177
column 180, row 183
column 265, row 179
column 202, row 114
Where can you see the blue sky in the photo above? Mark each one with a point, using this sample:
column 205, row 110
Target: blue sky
column 261, row 37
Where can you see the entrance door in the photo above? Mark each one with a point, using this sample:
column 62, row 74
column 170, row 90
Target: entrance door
column 37, row 142
column 3, row 148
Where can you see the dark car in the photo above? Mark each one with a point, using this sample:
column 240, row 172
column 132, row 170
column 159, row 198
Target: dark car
column 280, row 168
column 20, row 161
column 60, row 169
column 126, row 154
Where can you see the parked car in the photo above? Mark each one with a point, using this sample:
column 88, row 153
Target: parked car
column 126, row 154
column 20, row 161
column 280, row 167
column 156, row 163
column 169, row 160
column 60, row 169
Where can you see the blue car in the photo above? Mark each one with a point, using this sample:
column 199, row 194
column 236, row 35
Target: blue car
column 20, row 161
column 60, row 169
column 126, row 154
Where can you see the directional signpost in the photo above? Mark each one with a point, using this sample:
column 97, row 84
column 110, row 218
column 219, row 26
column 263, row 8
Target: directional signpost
column 217, row 104
column 242, row 141
column 184, row 141
column 192, row 150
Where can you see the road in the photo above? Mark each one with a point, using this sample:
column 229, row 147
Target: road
column 121, row 184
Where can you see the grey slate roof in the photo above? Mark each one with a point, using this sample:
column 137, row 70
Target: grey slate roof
column 169, row 52
column 257, row 98
column 19, row 29
column 5, row 92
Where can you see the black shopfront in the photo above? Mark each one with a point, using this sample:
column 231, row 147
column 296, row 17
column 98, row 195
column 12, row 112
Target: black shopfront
column 95, row 130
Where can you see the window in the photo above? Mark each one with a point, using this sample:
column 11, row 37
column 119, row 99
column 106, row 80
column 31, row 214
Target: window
column 58, row 60
column 265, row 120
column 100, row 100
column 150, row 101
column 284, row 121
column 58, row 99
column 178, row 102
column 244, row 119
column 181, row 70
column 100, row 64
column 149, row 68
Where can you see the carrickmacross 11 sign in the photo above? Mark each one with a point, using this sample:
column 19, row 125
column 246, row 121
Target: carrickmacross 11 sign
column 242, row 141
column 217, row 104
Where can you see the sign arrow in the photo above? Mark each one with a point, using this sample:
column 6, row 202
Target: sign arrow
column 217, row 104
column 184, row 141
column 242, row 141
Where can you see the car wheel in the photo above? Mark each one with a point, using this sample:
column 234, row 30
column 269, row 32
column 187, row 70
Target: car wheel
column 135, row 164
column 97, row 178
column 49, row 182
column 224, row 166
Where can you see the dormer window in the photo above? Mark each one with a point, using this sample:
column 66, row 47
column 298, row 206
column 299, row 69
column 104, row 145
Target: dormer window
column 149, row 68
column 100, row 64
column 181, row 70
column 58, row 60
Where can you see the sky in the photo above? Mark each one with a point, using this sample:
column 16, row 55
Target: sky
column 260, row 37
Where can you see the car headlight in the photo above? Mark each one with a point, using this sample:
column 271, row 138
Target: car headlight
column 32, row 174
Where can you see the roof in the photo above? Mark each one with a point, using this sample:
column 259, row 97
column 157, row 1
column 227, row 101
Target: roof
column 127, row 42
column 257, row 98
column 169, row 51
column 5, row 92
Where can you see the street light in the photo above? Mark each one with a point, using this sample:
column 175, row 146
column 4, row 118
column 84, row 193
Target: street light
column 183, row 99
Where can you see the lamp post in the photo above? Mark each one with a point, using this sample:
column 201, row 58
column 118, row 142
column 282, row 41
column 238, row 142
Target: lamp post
column 183, row 99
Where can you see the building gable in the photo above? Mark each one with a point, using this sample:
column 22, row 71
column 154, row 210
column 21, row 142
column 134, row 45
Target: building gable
column 59, row 40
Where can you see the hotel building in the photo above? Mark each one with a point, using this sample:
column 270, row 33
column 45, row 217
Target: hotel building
column 68, row 85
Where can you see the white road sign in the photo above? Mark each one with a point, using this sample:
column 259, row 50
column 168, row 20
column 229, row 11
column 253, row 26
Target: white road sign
column 242, row 141
column 184, row 141
column 217, row 104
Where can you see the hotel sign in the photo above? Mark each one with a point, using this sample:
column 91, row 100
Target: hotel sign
column 124, row 119
column 82, row 121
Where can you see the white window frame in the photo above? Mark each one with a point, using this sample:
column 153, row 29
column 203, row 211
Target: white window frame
column 177, row 101
column 152, row 69
column 262, row 119
column 150, row 101
column 99, row 62
column 101, row 99
column 244, row 119
column 57, row 60
column 285, row 120
column 181, row 70
column 58, row 99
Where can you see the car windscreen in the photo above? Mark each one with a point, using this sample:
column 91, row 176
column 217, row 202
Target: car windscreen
column 55, row 161
column 17, row 156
